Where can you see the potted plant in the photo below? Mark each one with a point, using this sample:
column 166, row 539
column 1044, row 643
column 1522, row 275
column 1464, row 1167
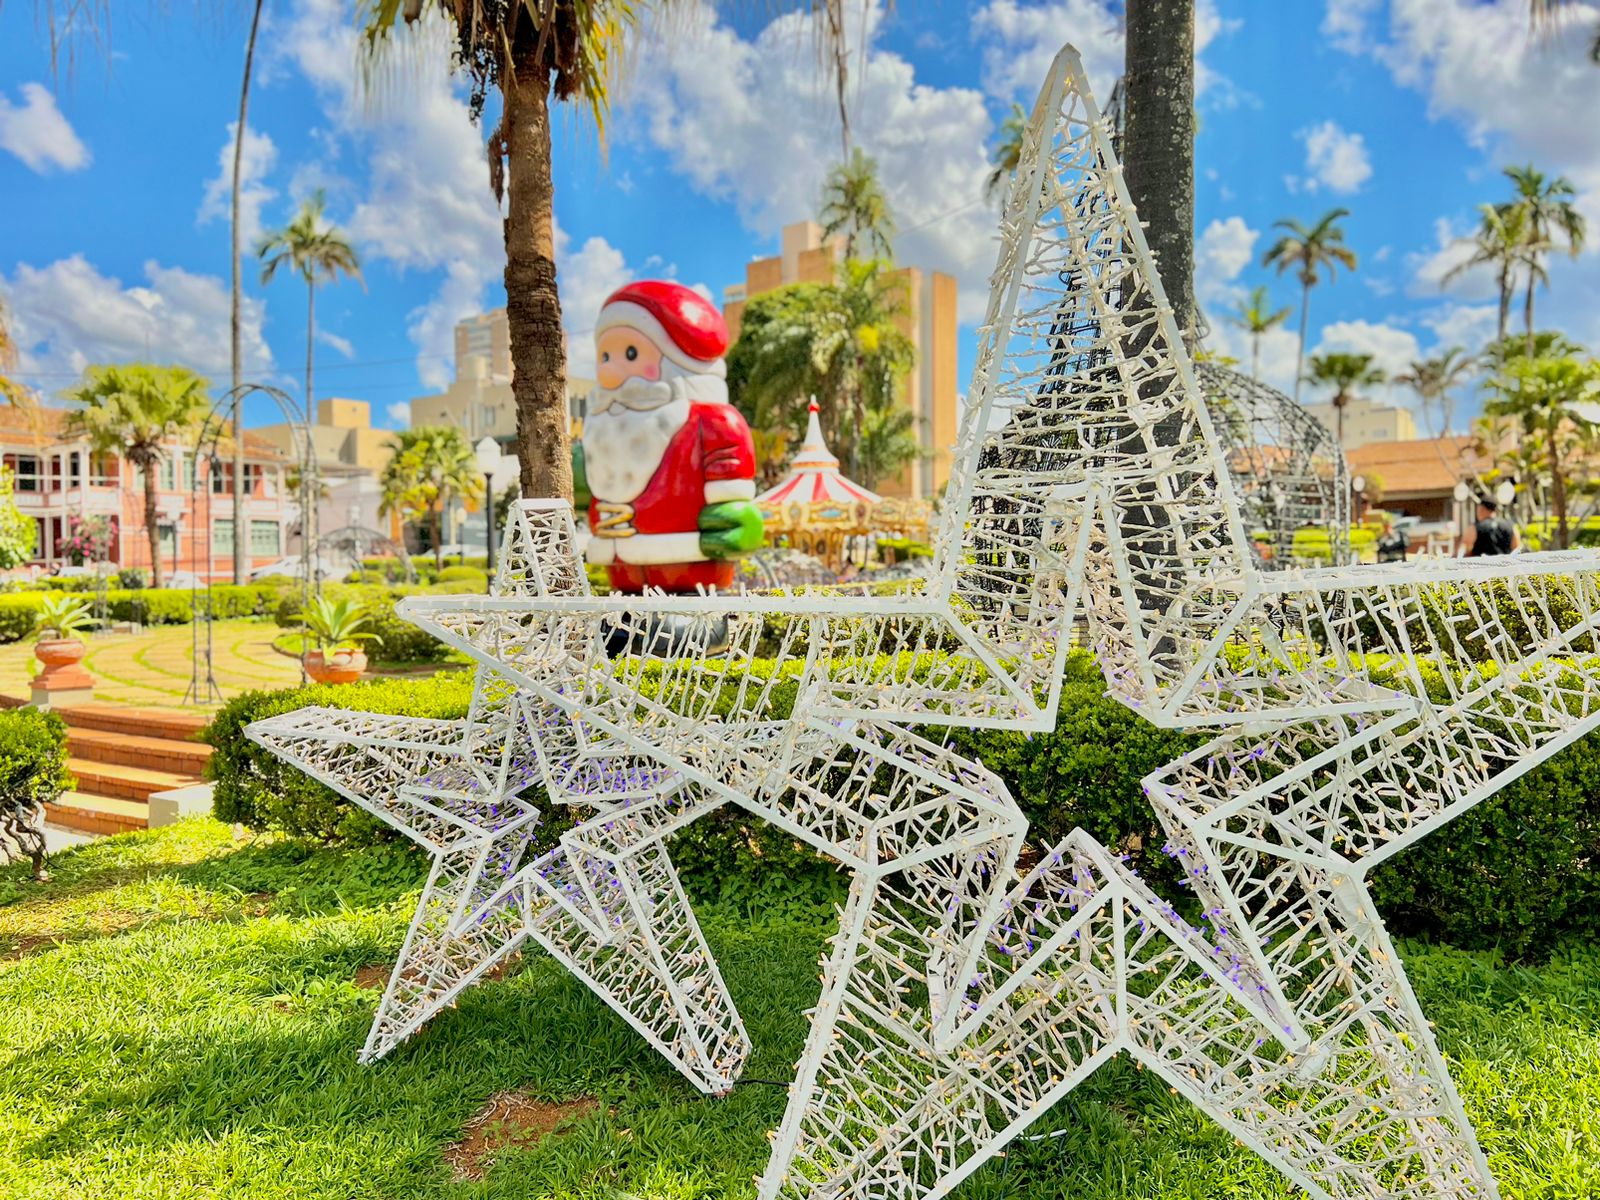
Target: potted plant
column 337, row 626
column 62, row 680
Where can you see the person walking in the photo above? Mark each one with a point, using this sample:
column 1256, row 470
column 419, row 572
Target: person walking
column 1392, row 543
column 1493, row 534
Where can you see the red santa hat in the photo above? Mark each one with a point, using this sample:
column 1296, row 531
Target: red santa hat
column 683, row 324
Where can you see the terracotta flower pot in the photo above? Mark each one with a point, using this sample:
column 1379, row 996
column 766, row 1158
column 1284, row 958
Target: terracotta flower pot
column 339, row 666
column 59, row 652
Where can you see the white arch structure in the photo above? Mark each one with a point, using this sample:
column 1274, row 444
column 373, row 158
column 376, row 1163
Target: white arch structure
column 962, row 997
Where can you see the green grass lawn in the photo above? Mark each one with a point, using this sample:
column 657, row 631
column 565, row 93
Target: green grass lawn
column 179, row 1017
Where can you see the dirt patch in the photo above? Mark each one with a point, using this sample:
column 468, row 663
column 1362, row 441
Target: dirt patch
column 258, row 904
column 373, row 975
column 376, row 975
column 25, row 946
column 510, row 1120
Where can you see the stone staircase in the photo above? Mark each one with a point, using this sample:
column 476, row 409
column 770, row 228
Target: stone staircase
column 122, row 756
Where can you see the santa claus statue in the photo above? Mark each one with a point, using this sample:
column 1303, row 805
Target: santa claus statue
column 666, row 465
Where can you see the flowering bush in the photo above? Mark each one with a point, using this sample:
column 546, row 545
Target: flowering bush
column 88, row 539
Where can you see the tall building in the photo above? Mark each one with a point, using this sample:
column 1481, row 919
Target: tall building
column 345, row 441
column 1366, row 422
column 480, row 400
column 930, row 323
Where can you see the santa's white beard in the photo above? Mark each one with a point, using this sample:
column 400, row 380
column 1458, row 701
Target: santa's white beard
column 623, row 446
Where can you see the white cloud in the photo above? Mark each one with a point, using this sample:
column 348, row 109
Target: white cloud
column 1520, row 98
column 1466, row 325
column 1221, row 253
column 37, row 132
column 1022, row 40
column 749, row 122
column 67, row 316
column 399, row 413
column 257, row 157
column 1336, row 159
column 342, row 345
column 1450, row 251
column 1345, row 23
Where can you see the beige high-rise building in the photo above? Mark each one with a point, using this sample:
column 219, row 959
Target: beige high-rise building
column 1366, row 422
column 345, row 441
column 930, row 322
column 480, row 402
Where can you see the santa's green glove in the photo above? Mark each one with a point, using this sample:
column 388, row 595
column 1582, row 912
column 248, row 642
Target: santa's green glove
column 730, row 529
column 580, row 481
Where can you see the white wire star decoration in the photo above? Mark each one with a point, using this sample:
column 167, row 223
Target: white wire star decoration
column 963, row 996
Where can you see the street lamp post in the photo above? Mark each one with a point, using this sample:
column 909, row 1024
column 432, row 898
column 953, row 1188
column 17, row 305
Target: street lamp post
column 488, row 454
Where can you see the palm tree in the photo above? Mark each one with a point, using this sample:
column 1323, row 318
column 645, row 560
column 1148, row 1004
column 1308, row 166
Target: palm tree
column 1433, row 379
column 1257, row 318
column 431, row 466
column 240, row 548
column 1538, row 393
column 1311, row 251
column 853, row 201
column 1550, row 210
column 133, row 410
column 318, row 253
column 1007, row 151
column 887, row 443
column 1158, row 141
column 1499, row 242
column 10, row 390
column 1345, row 372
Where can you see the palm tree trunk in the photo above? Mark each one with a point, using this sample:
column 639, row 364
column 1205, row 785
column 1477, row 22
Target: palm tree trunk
column 438, row 537
column 1338, row 418
column 1527, row 316
column 1505, row 303
column 308, row 519
column 1255, row 357
column 239, row 551
column 1558, row 482
column 152, row 529
column 1300, row 353
column 1158, row 147
column 533, row 304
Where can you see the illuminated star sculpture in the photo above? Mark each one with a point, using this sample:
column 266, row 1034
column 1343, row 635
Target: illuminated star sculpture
column 961, row 998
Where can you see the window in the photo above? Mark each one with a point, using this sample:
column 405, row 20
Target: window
column 29, row 477
column 169, row 541
column 38, row 538
column 222, row 535
column 266, row 537
column 168, row 478
column 188, row 472
column 74, row 468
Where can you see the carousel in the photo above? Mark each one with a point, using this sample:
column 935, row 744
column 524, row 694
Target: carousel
column 816, row 510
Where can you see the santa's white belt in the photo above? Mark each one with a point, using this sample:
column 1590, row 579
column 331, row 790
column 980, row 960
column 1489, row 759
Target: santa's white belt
column 644, row 549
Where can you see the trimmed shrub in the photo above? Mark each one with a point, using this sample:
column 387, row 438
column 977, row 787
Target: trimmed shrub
column 256, row 789
column 19, row 613
column 33, row 757
column 473, row 575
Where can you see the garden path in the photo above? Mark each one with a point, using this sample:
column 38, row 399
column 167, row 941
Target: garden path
column 153, row 668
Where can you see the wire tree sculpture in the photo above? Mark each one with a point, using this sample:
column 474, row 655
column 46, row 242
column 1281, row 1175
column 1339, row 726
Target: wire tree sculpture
column 1286, row 468
column 203, row 687
column 963, row 995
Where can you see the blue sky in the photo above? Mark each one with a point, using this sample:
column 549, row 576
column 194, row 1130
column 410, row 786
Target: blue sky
column 114, row 238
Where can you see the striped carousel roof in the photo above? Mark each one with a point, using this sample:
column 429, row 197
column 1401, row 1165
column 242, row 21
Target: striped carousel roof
column 814, row 476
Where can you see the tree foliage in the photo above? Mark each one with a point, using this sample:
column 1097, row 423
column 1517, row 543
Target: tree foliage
column 1313, row 253
column 17, row 530
column 134, row 410
column 840, row 342
column 853, row 203
column 431, row 467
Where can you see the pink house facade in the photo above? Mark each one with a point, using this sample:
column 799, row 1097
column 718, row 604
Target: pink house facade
column 57, row 478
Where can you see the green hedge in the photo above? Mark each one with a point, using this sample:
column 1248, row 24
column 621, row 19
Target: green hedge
column 33, row 758
column 150, row 606
column 1518, row 872
column 401, row 641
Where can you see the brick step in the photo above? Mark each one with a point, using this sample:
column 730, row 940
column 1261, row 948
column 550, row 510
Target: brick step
column 170, row 723
column 102, row 815
column 125, row 782
column 136, row 750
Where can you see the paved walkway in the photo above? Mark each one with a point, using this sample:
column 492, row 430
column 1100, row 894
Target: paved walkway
column 154, row 667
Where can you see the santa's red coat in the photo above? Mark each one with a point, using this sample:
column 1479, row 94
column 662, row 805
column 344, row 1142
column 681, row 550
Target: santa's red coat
column 712, row 445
